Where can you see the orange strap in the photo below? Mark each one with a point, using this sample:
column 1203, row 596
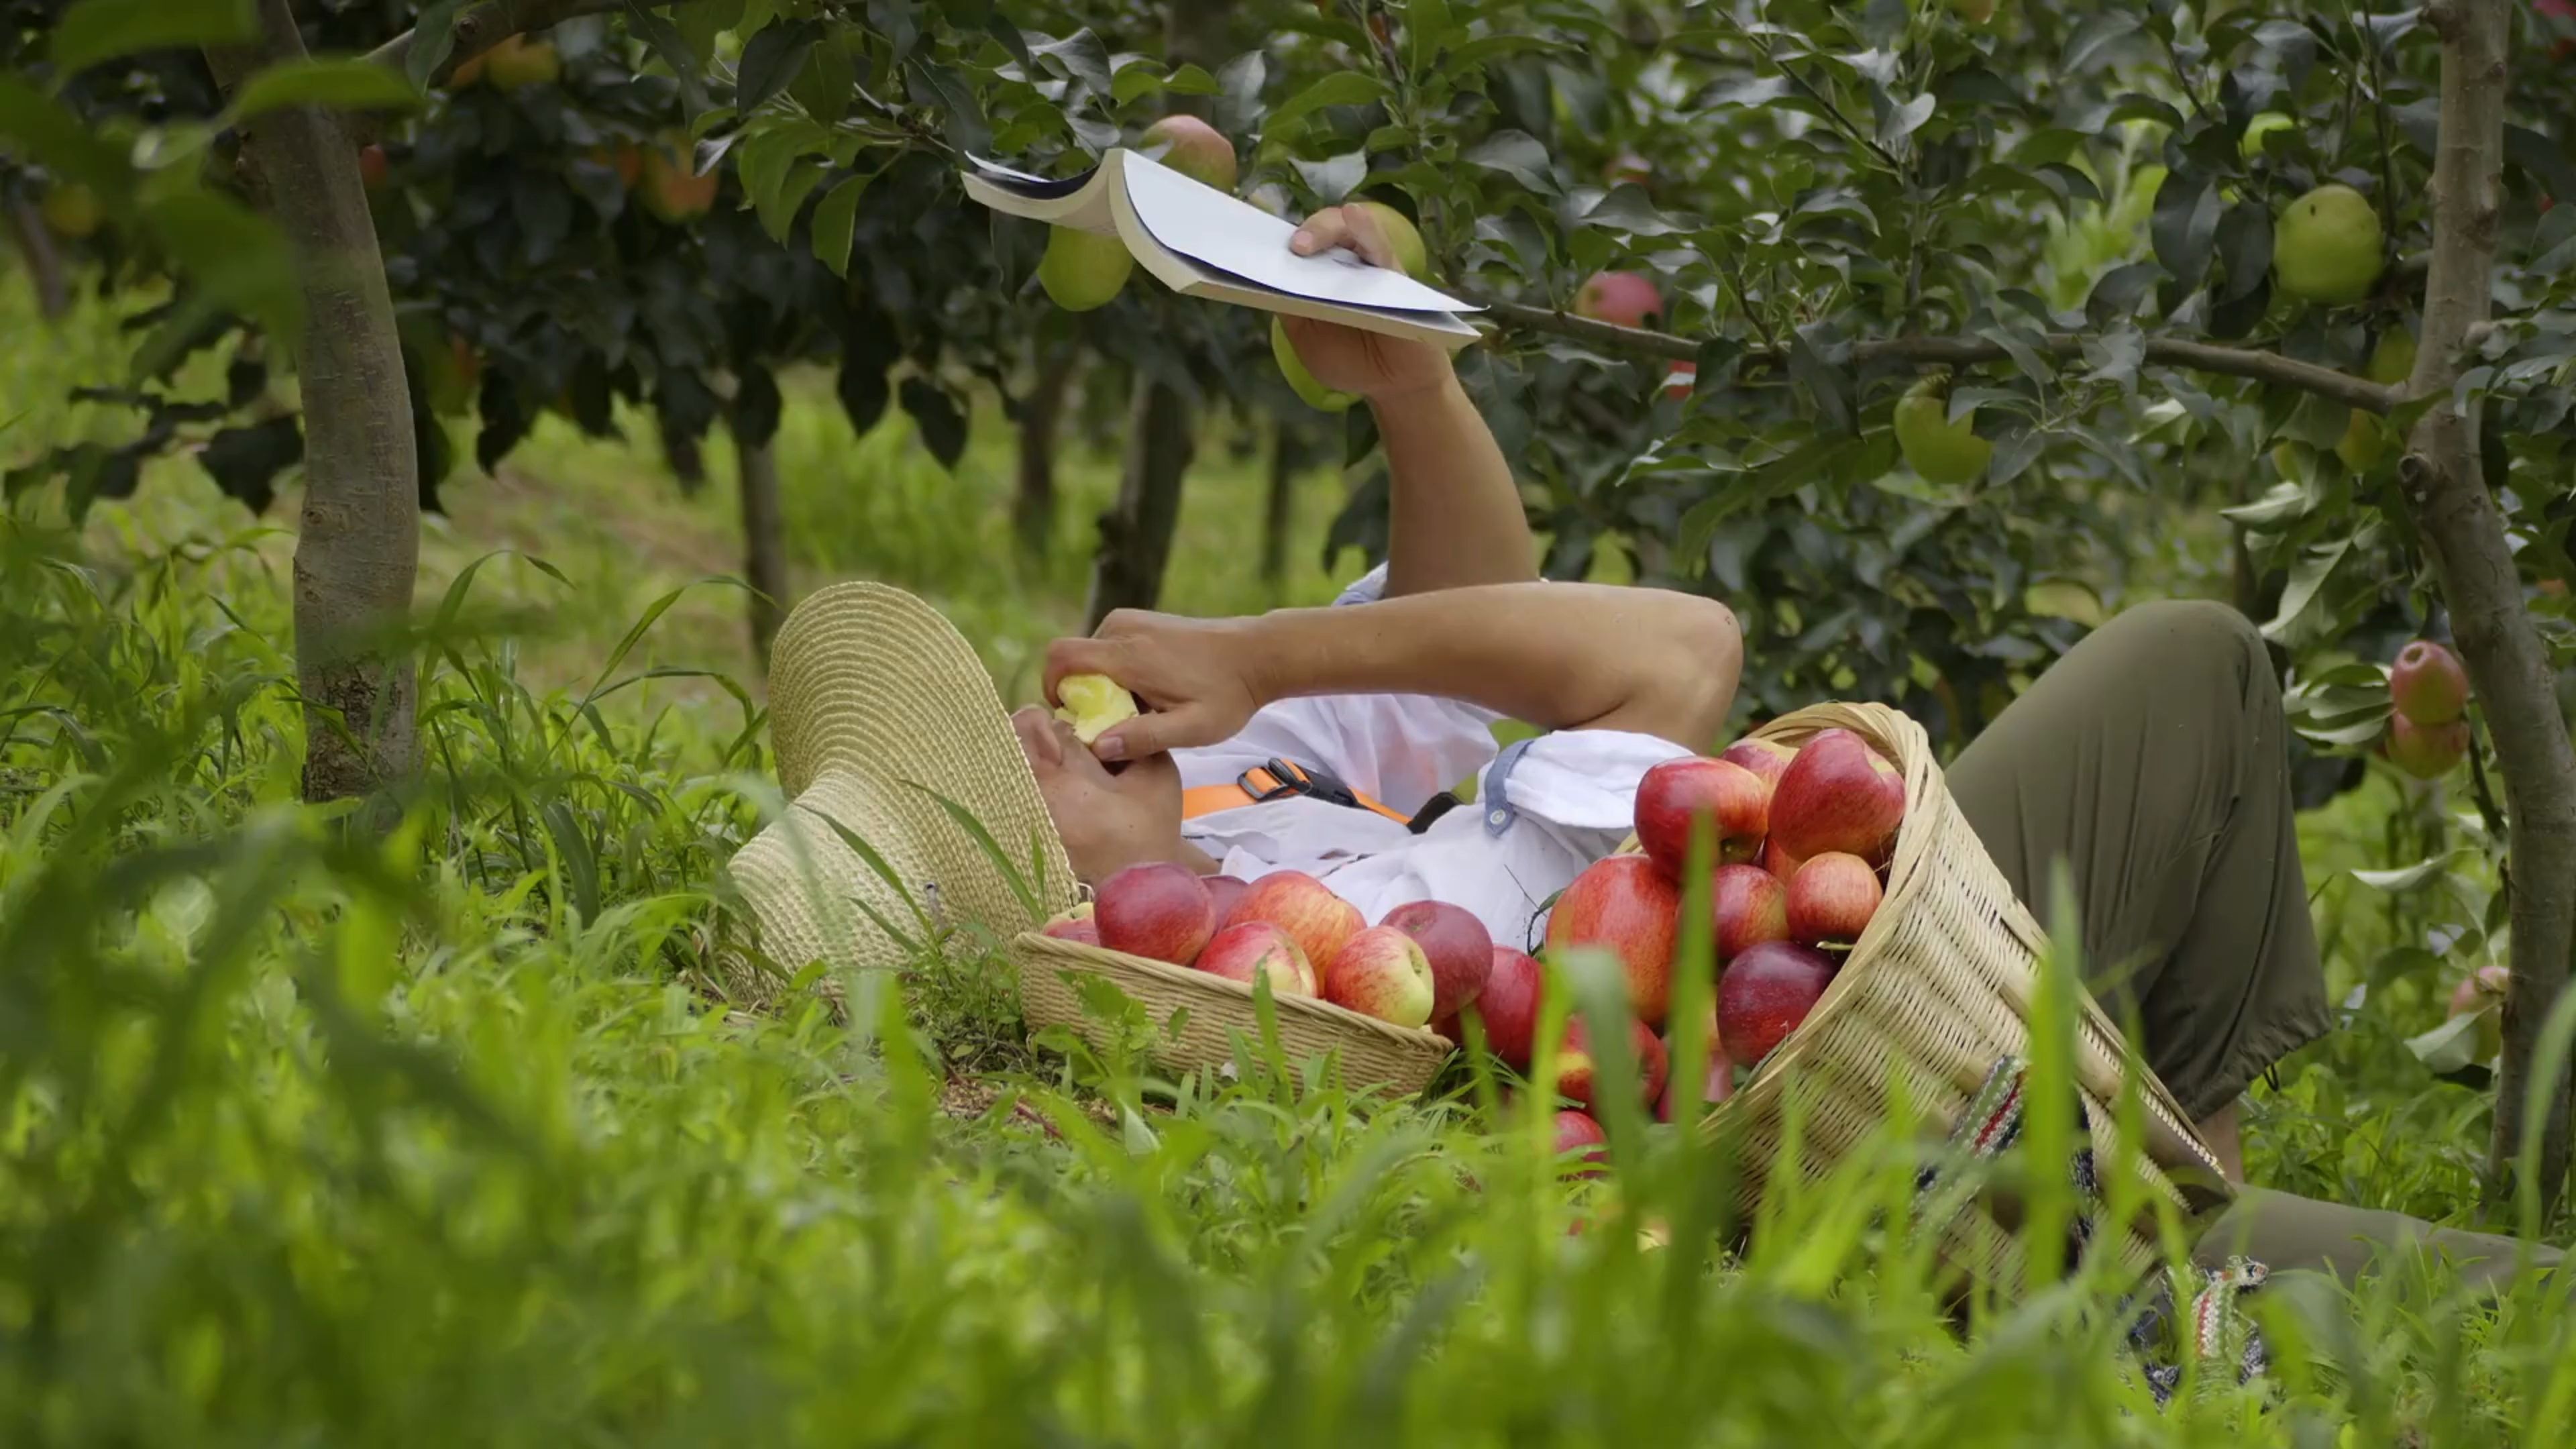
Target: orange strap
column 1278, row 780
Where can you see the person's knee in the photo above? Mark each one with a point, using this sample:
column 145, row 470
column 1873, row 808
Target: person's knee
column 2172, row 641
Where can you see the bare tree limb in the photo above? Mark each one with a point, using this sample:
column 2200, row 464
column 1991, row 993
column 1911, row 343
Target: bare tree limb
column 2269, row 367
column 2464, row 534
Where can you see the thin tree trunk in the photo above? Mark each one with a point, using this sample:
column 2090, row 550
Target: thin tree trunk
column 1033, row 509
column 2507, row 662
column 764, row 535
column 1136, row 533
column 44, row 261
column 1278, row 509
column 359, row 548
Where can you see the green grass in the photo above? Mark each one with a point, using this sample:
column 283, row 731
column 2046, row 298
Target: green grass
column 443, row 1139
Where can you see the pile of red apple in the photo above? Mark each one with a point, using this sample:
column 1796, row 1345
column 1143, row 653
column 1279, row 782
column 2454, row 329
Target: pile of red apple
column 1421, row 963
column 1801, row 838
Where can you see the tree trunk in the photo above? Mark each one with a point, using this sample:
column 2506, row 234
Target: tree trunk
column 1136, row 533
column 1278, row 509
column 359, row 548
column 764, row 535
column 1033, row 509
column 2464, row 531
column 44, row 261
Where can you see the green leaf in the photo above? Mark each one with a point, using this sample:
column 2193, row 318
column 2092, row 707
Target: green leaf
column 1082, row 57
column 1341, row 88
column 50, row 135
column 2452, row 1045
column 770, row 62
column 96, row 30
column 835, row 218
column 1518, row 155
column 433, row 39
column 2406, row 878
column 2095, row 37
column 344, row 84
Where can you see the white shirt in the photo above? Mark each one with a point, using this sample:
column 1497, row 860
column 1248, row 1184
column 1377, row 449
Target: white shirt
column 1564, row 801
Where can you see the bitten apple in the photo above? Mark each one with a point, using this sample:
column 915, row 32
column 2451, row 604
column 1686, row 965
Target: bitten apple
column 1319, row 921
column 1677, row 792
column 1578, row 1069
column 1749, row 906
column 1382, row 972
column 1578, row 1133
column 1257, row 950
column 1509, row 1006
column 1766, row 993
column 1157, row 909
column 1460, row 949
column 1831, row 899
column 1625, row 905
column 1073, row 924
column 1837, row 795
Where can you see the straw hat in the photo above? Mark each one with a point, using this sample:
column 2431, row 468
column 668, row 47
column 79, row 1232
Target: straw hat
column 880, row 711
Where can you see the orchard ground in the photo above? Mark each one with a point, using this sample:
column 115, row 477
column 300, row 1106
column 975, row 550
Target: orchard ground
column 448, row 1145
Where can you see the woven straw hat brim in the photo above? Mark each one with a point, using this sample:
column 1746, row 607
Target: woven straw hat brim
column 880, row 709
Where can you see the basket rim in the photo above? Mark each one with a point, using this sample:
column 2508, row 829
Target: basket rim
column 1231, row 992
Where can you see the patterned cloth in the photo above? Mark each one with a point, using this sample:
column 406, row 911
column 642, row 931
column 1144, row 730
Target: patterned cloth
column 2191, row 1314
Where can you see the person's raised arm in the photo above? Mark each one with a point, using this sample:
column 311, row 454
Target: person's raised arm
column 1455, row 515
column 1562, row 656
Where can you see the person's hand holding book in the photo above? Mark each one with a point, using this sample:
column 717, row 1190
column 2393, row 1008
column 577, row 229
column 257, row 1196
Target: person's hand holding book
column 1346, row 359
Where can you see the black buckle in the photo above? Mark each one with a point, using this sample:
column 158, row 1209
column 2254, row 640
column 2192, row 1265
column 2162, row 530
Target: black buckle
column 1291, row 780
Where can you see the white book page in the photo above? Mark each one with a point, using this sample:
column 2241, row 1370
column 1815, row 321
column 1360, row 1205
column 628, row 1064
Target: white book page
column 1216, row 230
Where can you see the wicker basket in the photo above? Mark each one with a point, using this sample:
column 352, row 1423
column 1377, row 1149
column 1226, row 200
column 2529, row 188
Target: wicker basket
column 1364, row 1051
column 1938, row 987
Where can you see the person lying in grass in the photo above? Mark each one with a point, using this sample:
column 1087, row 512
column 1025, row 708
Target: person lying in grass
column 2152, row 760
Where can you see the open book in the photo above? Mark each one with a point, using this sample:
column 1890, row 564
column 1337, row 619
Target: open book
column 1203, row 243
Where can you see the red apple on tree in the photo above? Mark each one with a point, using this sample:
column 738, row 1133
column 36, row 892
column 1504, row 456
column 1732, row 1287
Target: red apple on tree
column 1578, row 1069
column 2424, row 751
column 2427, row 684
column 1258, row 950
column 1837, row 795
column 1460, row 949
column 1748, row 906
column 1625, row 905
column 1382, row 972
column 1195, row 149
column 1677, row 792
column 1319, row 921
column 1831, row 899
column 1158, row 910
column 2482, row 990
column 1766, row 993
column 1509, row 1007
column 1624, row 299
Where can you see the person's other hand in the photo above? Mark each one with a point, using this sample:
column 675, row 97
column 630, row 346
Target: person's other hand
column 1107, row 822
column 1346, row 359
column 1194, row 677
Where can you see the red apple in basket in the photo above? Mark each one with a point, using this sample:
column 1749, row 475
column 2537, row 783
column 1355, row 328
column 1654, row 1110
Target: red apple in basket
column 1073, row 924
column 1837, row 795
column 1460, row 949
column 1767, row 759
column 1158, row 909
column 1576, row 1132
column 1226, row 891
column 1766, row 993
column 1509, row 1007
column 1780, row 863
column 1578, row 1070
column 1831, row 899
column 1717, row 1082
column 1749, row 906
column 1382, row 972
column 1257, row 950
column 1677, row 792
column 1626, row 906
column 1319, row 921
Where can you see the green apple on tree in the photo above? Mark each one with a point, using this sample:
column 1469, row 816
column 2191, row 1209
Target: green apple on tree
column 1412, row 254
column 1943, row 451
column 2365, row 439
column 1082, row 269
column 2261, row 126
column 2326, row 247
column 1975, row 12
column 1195, row 149
column 1300, row 379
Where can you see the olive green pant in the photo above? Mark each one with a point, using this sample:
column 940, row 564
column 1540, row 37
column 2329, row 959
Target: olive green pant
column 2153, row 762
